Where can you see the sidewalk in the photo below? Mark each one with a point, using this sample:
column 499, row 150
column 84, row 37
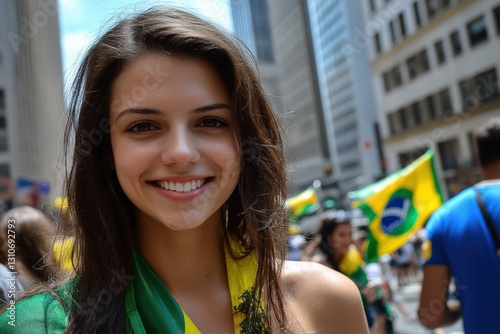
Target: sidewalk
column 409, row 296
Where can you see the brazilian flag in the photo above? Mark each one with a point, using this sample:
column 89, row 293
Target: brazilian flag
column 399, row 205
column 304, row 203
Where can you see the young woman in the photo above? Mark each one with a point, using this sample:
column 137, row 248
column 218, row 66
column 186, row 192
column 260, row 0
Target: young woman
column 336, row 249
column 177, row 189
column 31, row 232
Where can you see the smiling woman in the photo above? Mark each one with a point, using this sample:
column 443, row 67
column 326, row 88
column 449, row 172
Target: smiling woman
column 179, row 207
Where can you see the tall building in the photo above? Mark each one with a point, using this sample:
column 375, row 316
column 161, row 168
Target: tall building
column 435, row 65
column 349, row 112
column 251, row 25
column 307, row 147
column 31, row 101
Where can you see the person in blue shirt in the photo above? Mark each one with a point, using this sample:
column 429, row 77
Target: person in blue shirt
column 460, row 249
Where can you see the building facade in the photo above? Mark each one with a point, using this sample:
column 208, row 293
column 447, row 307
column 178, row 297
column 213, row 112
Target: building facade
column 31, row 102
column 306, row 147
column 435, row 72
column 350, row 116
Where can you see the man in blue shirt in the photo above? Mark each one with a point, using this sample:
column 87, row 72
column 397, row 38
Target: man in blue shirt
column 461, row 246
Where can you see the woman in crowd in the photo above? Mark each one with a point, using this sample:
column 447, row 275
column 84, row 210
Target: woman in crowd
column 178, row 209
column 31, row 235
column 335, row 248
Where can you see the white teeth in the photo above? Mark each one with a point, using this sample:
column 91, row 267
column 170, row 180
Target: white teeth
column 181, row 187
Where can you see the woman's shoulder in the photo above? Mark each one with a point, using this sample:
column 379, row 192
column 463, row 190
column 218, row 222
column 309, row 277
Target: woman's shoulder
column 39, row 313
column 311, row 277
column 323, row 298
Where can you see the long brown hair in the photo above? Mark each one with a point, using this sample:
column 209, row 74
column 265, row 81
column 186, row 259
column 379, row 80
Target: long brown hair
column 103, row 214
column 34, row 235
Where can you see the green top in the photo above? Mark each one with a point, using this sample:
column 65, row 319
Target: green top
column 38, row 314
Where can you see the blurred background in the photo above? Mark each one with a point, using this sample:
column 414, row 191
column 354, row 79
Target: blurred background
column 363, row 87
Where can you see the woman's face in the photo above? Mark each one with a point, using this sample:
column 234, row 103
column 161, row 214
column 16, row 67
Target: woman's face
column 341, row 238
column 173, row 140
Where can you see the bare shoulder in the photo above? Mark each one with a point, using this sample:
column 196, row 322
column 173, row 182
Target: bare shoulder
column 324, row 300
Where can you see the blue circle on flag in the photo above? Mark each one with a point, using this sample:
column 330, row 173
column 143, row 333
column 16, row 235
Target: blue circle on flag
column 394, row 219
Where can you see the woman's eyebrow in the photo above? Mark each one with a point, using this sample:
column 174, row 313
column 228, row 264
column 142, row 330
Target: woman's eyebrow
column 140, row 111
column 211, row 107
column 149, row 111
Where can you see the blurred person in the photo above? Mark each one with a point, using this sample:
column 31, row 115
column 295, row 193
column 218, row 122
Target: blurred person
column 179, row 211
column 461, row 245
column 405, row 259
column 334, row 248
column 381, row 274
column 34, row 236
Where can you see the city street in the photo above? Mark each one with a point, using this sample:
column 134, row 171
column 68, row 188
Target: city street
column 409, row 297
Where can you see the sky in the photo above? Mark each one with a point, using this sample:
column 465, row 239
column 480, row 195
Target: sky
column 81, row 21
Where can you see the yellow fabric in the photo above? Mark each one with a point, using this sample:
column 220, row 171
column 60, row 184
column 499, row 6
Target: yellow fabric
column 241, row 277
column 426, row 250
column 189, row 326
column 351, row 261
column 62, row 253
column 298, row 203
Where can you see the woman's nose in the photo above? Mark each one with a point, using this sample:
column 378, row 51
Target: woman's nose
column 180, row 148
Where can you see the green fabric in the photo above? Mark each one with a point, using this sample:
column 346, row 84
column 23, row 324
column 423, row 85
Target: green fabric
column 42, row 313
column 38, row 314
column 160, row 313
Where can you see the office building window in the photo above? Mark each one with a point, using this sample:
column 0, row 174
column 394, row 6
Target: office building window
column 448, row 152
column 402, row 25
column 418, row 64
column 3, row 141
column 2, row 121
column 456, row 45
column 496, row 13
column 404, row 119
column 392, row 78
column 445, row 102
column 434, row 7
column 408, row 118
column 477, row 31
column 481, row 88
column 416, row 12
column 4, row 170
column 376, row 42
column 2, row 99
column 261, row 30
column 430, row 107
column 392, row 32
column 407, row 158
column 415, row 110
column 395, row 123
column 438, row 46
column 371, row 3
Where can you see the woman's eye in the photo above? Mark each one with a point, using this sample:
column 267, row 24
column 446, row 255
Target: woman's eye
column 142, row 127
column 212, row 123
